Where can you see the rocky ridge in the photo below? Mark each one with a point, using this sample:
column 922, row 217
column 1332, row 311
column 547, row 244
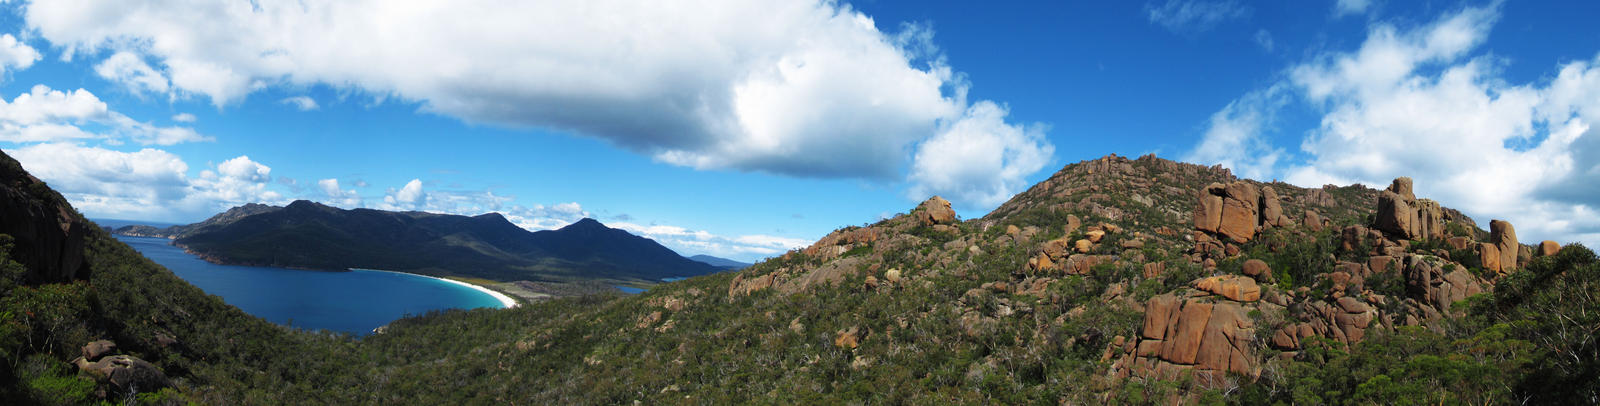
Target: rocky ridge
column 1397, row 261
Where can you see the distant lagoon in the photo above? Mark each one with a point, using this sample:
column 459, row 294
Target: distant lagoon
column 354, row 302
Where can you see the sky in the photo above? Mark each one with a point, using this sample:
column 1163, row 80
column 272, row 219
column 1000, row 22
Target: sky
column 746, row 128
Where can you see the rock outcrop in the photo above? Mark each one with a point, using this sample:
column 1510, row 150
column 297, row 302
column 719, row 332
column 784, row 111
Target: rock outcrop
column 1208, row 211
column 935, row 210
column 1234, row 213
column 48, row 235
column 1428, row 281
column 1504, row 238
column 125, row 373
column 1234, row 287
column 1346, row 320
column 1403, row 216
column 1192, row 334
column 1239, row 211
column 1272, row 210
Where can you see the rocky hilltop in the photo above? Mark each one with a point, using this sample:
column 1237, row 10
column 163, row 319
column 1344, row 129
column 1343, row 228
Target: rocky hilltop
column 214, row 222
column 1228, row 277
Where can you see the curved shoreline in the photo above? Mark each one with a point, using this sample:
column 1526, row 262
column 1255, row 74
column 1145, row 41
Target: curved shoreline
column 505, row 301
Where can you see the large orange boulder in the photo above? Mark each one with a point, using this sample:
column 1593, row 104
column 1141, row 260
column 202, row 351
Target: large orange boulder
column 1548, row 248
column 1240, row 211
column 1402, row 186
column 1489, row 255
column 1430, row 220
column 1504, row 238
column 935, row 210
column 1395, row 215
column 1271, row 209
column 1223, row 343
column 1257, row 269
column 1195, row 334
column 1208, row 212
column 1185, row 332
column 1234, row 287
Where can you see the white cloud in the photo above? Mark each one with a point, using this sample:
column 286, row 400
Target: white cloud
column 1233, row 136
column 244, row 169
column 980, row 160
column 411, row 193
column 184, row 118
column 690, row 242
column 43, row 105
column 132, row 72
column 234, row 182
column 1264, row 39
column 341, row 197
column 1413, row 103
column 46, row 115
column 304, row 103
column 15, row 55
column 1193, row 16
column 801, row 88
column 144, row 184
column 1343, row 8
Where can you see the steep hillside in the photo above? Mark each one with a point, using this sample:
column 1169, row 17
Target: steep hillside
column 309, row 235
column 65, row 284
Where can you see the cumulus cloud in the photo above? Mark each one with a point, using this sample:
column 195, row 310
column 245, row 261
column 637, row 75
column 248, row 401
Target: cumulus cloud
column 410, row 195
column 234, row 182
column 15, row 55
column 184, row 118
column 303, row 103
column 144, row 184
column 46, row 115
column 980, row 159
column 1193, row 16
column 132, row 72
column 800, row 88
column 1416, row 102
column 244, row 169
column 340, row 197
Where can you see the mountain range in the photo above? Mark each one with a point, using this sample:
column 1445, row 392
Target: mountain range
column 723, row 263
column 310, row 235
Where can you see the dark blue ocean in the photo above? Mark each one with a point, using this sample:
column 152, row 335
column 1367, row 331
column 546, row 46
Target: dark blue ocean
column 354, row 302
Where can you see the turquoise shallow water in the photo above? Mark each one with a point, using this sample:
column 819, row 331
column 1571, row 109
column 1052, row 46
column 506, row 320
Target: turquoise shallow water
column 354, row 302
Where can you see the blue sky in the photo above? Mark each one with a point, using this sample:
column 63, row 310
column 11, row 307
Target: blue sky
column 745, row 128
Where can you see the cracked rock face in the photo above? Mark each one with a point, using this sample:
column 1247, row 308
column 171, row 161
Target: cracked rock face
column 1200, row 334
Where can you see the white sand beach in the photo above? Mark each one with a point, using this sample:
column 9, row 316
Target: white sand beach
column 505, row 301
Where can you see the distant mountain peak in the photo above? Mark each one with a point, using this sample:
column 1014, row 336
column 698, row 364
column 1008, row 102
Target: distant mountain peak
column 586, row 224
column 305, row 204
